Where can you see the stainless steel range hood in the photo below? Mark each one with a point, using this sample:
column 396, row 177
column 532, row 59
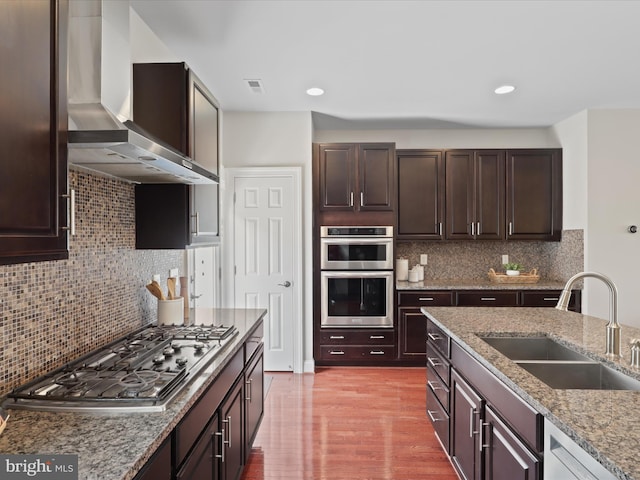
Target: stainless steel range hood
column 102, row 136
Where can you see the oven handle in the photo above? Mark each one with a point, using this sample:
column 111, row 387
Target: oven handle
column 358, row 274
column 356, row 240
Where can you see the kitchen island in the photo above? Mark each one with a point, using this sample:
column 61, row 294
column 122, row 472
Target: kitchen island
column 605, row 423
column 115, row 446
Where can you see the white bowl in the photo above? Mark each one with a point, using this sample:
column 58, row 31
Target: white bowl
column 513, row 273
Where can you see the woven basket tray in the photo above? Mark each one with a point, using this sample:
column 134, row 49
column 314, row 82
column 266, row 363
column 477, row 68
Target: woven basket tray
column 531, row 277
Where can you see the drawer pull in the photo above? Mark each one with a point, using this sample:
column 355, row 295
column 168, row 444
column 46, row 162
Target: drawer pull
column 376, row 337
column 337, row 337
column 336, row 352
column 434, row 419
column 550, row 299
column 434, row 385
column 376, row 352
column 434, row 336
column 426, row 299
column 434, row 362
column 488, row 299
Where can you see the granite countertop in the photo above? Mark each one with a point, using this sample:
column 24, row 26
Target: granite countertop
column 114, row 446
column 477, row 284
column 604, row 423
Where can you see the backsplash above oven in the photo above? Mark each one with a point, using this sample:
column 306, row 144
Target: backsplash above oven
column 53, row 312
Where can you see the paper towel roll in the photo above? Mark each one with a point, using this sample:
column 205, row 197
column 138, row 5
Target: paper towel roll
column 402, row 269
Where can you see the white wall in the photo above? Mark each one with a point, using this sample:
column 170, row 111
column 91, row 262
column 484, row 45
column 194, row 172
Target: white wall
column 447, row 138
column 266, row 139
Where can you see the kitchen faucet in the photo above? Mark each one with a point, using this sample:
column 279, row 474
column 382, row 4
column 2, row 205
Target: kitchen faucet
column 613, row 327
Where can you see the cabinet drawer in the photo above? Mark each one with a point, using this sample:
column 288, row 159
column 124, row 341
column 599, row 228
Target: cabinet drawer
column 425, row 298
column 439, row 419
column 438, row 387
column 350, row 337
column 347, row 352
column 487, row 298
column 438, row 338
column 547, row 298
column 524, row 420
column 438, row 364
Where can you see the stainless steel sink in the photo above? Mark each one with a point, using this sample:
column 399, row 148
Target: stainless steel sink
column 560, row 366
column 533, row 348
column 580, row 375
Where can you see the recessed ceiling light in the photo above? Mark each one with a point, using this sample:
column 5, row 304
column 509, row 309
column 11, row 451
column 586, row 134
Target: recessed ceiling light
column 504, row 89
column 315, row 91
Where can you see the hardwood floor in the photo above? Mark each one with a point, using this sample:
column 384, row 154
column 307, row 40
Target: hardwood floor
column 347, row 424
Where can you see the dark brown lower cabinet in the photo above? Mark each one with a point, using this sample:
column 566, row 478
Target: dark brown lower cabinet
column 203, row 461
column 254, row 399
column 231, row 427
column 466, row 418
column 159, row 467
column 506, row 457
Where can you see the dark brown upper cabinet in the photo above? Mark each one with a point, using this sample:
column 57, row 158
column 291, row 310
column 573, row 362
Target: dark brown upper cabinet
column 534, row 194
column 33, row 171
column 356, row 177
column 421, row 183
column 171, row 103
column 475, row 185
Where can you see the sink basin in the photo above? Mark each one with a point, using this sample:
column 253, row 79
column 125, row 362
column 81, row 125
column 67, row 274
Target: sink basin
column 533, row 348
column 580, row 375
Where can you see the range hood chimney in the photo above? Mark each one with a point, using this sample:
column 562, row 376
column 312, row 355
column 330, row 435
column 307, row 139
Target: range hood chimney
column 102, row 137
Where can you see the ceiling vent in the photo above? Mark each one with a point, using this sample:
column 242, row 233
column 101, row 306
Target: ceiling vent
column 255, row 85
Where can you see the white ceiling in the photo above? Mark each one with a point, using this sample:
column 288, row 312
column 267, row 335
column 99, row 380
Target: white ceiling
column 409, row 64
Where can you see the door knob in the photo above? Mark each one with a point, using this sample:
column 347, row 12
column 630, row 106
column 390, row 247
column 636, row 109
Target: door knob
column 285, row 284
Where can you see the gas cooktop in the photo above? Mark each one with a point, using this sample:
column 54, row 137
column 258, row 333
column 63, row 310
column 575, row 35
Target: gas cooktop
column 140, row 372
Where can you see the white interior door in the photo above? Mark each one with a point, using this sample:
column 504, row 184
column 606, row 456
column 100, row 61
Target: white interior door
column 266, row 268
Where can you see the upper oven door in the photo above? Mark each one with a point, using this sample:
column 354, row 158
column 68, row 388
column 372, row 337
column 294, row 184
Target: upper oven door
column 356, row 253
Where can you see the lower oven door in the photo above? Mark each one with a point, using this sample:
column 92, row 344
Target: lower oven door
column 357, row 299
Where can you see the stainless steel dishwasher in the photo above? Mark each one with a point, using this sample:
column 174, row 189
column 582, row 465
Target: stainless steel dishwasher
column 564, row 459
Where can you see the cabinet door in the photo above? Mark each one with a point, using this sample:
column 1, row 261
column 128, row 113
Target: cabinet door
column 162, row 216
column 489, row 201
column 33, row 172
column 232, row 423
column 466, row 418
column 159, row 466
column 337, row 170
column 460, row 194
column 534, row 194
column 376, row 176
column 254, row 399
column 202, row 463
column 421, row 184
column 505, row 456
column 204, row 125
column 412, row 331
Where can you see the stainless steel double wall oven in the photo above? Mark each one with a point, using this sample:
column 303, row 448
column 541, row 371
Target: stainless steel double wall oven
column 357, row 276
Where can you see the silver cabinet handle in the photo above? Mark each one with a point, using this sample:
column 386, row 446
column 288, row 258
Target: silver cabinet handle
column 433, row 362
column 351, row 200
column 434, row 385
column 221, row 435
column 426, row 299
column 376, row 352
column 478, row 229
column 510, row 228
column 285, row 284
column 196, row 230
column 481, row 444
column 228, row 440
column 336, row 352
column 337, row 337
column 488, row 299
column 440, row 228
column 472, row 413
column 248, row 395
column 72, row 211
column 550, row 299
column 434, row 419
column 361, row 199
column 376, row 337
column 473, row 229
column 434, row 336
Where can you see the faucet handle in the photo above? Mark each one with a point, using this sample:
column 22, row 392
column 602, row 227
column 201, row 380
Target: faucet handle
column 635, row 352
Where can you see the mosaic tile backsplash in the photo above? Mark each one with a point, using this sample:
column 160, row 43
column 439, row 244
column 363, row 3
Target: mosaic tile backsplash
column 54, row 312
column 471, row 260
